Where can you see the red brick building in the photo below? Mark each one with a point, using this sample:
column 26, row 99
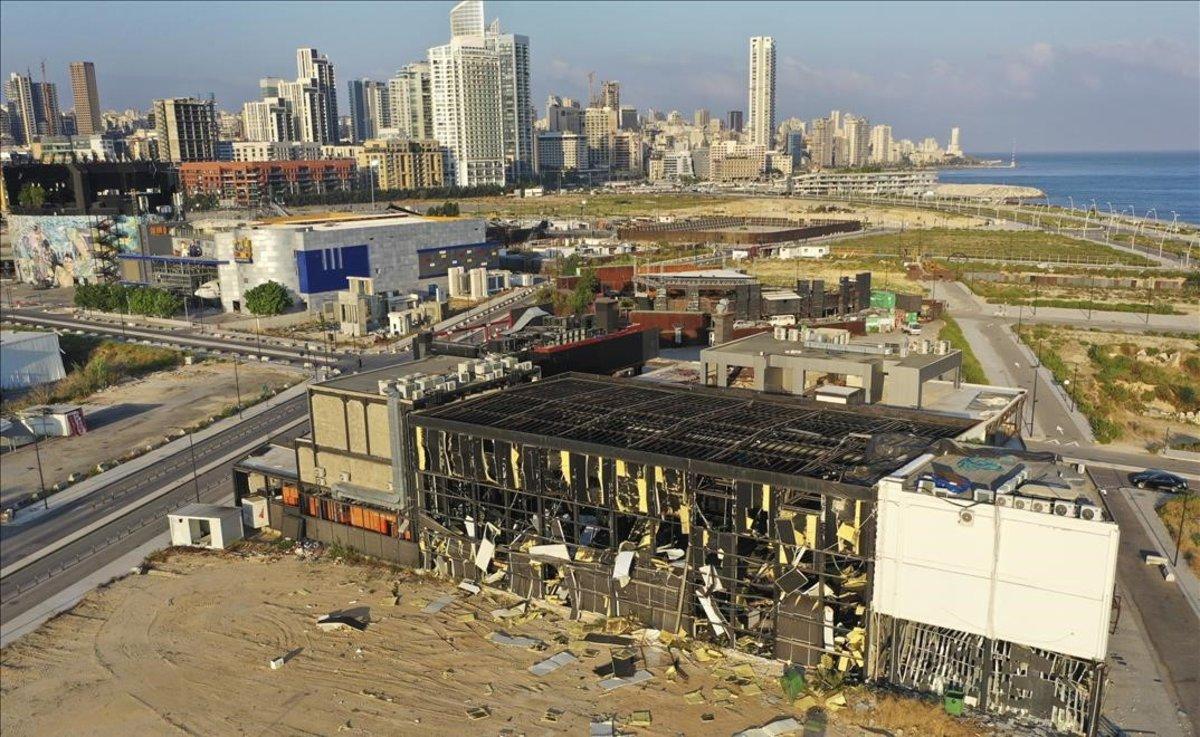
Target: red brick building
column 248, row 183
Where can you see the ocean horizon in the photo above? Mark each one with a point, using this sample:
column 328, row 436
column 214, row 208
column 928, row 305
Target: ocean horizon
column 1164, row 182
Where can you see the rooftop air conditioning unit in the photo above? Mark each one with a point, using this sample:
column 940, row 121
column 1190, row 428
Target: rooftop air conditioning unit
column 1090, row 512
column 344, row 476
column 1065, row 509
column 1039, row 505
column 319, row 473
column 985, row 495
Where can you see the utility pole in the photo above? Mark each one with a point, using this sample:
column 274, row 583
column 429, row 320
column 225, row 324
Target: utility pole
column 237, row 384
column 192, row 450
column 37, row 452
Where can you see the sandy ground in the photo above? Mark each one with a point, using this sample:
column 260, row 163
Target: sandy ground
column 186, row 650
column 132, row 414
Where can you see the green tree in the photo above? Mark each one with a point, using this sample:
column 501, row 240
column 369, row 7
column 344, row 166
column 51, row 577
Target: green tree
column 585, row 291
column 270, row 298
column 570, row 267
column 32, row 196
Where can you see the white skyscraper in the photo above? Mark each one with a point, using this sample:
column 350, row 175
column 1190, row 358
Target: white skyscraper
column 857, row 132
column 954, row 148
column 411, row 102
column 762, row 90
column 881, row 144
column 480, row 93
column 316, row 70
column 513, row 51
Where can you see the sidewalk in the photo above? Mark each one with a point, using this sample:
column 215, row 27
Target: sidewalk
column 1143, row 502
column 143, row 462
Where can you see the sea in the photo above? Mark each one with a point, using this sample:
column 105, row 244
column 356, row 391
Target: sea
column 1160, row 180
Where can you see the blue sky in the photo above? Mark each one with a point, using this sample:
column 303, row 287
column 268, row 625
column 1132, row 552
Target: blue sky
column 1052, row 76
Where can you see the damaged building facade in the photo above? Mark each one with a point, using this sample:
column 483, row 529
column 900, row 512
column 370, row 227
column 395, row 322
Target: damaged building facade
column 780, row 526
column 723, row 515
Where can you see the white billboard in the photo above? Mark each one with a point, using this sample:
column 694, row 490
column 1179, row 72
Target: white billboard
column 1009, row 574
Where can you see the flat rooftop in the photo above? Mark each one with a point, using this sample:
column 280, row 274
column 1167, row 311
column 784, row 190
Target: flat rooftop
column 276, row 460
column 1043, row 475
column 747, row 430
column 766, row 343
column 699, row 274
column 367, row 382
column 340, row 221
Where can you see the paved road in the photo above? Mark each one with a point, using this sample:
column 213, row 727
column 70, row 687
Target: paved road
column 46, row 577
column 189, row 338
column 1171, row 623
column 19, row 540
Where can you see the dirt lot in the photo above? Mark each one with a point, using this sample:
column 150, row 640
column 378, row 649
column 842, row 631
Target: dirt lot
column 1129, row 385
column 784, row 273
column 819, row 210
column 135, row 413
column 187, row 651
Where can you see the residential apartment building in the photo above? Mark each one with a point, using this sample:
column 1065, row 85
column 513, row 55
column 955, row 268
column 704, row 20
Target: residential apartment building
column 821, row 143
column 561, row 151
column 563, row 115
column 411, row 101
column 857, row 132
column 730, row 161
column 404, row 163
column 35, row 107
column 600, row 128
column 251, row 183
column 370, row 109
column 187, row 129
column 480, row 91
column 610, row 95
column 87, row 98
column 881, row 145
column 274, row 151
column 762, row 90
column 268, row 120
column 316, row 69
column 627, row 154
column 735, row 121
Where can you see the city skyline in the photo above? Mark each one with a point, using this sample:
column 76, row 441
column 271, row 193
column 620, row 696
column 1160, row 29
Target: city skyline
column 1088, row 85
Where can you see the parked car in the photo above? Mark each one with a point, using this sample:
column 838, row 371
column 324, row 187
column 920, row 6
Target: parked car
column 1153, row 478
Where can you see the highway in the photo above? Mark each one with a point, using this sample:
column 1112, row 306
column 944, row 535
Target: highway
column 188, row 338
column 54, row 550
column 35, row 582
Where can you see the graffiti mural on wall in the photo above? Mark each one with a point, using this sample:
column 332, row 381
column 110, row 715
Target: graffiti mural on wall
column 60, row 250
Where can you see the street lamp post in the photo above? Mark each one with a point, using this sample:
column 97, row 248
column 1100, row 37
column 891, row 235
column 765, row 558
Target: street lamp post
column 37, row 452
column 192, row 451
column 237, row 385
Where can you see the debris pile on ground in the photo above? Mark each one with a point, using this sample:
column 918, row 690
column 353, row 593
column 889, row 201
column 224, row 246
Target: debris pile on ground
column 149, row 652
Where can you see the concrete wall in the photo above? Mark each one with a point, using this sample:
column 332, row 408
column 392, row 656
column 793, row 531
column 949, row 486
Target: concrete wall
column 1028, row 577
column 363, row 541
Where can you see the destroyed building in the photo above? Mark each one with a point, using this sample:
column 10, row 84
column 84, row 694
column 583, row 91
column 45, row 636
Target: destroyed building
column 863, row 540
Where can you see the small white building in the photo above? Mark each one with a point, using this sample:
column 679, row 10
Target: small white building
column 804, row 251
column 29, row 358
column 205, row 526
column 57, row 420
